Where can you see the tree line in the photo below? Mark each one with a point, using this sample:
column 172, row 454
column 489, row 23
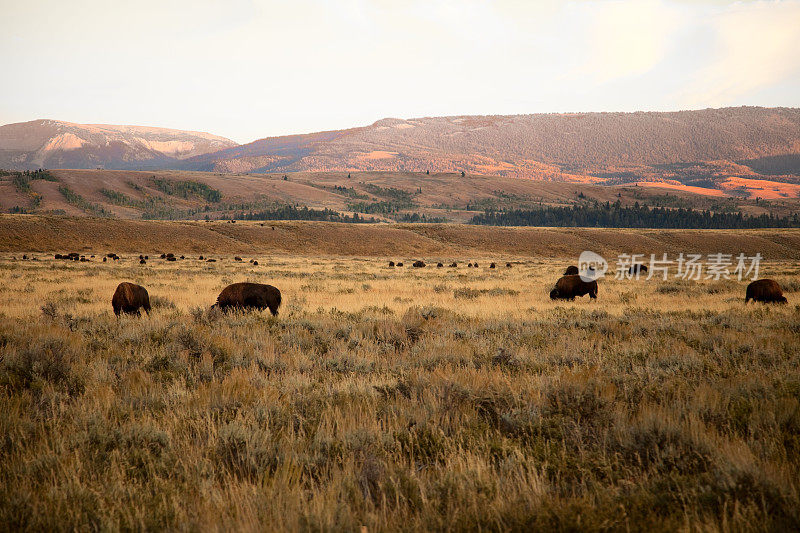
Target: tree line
column 615, row 215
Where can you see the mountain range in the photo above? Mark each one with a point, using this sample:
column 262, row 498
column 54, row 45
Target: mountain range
column 58, row 144
column 700, row 147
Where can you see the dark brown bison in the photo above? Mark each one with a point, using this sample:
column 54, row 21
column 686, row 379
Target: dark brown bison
column 255, row 263
column 399, row 264
column 637, row 268
column 508, row 265
column 249, row 296
column 171, row 258
column 492, row 265
column 765, row 290
column 571, row 270
column 391, row 263
column 142, row 262
column 568, row 287
column 439, row 265
column 418, row 264
column 129, row 298
column 475, row 265
column 237, row 258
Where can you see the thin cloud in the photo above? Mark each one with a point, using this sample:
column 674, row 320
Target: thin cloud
column 756, row 45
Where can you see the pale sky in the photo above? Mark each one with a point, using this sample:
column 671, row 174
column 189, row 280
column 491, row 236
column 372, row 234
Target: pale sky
column 248, row 69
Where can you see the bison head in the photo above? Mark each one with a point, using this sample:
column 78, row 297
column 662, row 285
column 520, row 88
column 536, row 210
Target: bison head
column 554, row 294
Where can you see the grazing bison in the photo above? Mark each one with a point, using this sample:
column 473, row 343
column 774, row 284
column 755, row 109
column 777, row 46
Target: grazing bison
column 508, row 265
column 453, row 265
column 201, row 258
column 765, row 290
column 637, row 268
column 391, row 263
column 571, row 270
column 173, row 258
column 475, row 265
column 237, row 258
column 255, row 263
column 142, row 262
column 439, row 265
column 104, row 260
column 418, row 264
column 492, row 265
column 211, row 261
column 568, row 287
column 399, row 264
column 129, row 298
column 469, row 265
column 249, row 296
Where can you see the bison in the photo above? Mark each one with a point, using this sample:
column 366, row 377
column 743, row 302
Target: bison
column 637, row 268
column 492, row 265
column 765, row 290
column 255, row 263
column 439, row 265
column 571, row 270
column 453, row 265
column 508, row 265
column 391, row 263
column 249, row 296
column 418, row 264
column 400, row 264
column 568, row 287
column 129, row 298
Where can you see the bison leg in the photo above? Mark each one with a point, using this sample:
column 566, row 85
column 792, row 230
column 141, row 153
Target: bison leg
column 273, row 310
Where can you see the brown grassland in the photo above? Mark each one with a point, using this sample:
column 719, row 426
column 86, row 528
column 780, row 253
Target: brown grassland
column 397, row 398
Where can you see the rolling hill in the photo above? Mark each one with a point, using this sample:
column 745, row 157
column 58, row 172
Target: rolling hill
column 572, row 147
column 384, row 196
column 57, row 144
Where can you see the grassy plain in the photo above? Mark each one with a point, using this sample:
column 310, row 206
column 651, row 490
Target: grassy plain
column 415, row 399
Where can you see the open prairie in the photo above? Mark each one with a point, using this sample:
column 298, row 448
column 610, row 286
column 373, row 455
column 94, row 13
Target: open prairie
column 397, row 398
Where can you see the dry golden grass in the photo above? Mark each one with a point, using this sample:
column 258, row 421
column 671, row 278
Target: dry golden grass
column 413, row 399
